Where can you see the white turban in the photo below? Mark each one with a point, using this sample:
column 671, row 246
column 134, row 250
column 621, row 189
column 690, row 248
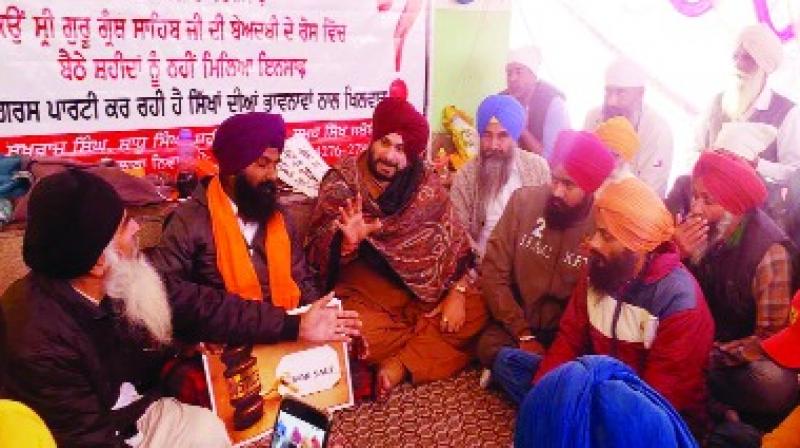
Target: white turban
column 529, row 56
column 745, row 139
column 763, row 45
column 624, row 72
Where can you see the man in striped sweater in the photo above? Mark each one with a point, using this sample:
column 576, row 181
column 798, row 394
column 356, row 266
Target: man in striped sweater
column 638, row 303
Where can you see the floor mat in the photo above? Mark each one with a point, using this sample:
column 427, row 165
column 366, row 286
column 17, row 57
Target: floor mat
column 449, row 413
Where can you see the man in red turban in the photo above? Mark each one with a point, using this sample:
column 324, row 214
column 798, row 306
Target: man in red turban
column 743, row 263
column 386, row 237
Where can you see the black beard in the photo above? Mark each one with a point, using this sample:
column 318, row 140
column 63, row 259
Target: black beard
column 372, row 164
column 256, row 204
column 609, row 275
column 561, row 216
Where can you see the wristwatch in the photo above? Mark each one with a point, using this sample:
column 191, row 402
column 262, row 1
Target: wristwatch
column 527, row 338
column 460, row 288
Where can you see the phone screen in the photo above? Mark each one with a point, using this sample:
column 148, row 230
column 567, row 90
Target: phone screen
column 292, row 431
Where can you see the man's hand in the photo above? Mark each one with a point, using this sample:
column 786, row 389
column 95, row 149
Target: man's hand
column 691, row 234
column 353, row 225
column 452, row 310
column 322, row 323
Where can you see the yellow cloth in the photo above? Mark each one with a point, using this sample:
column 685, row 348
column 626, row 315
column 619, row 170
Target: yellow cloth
column 233, row 259
column 619, row 135
column 633, row 213
column 786, row 435
column 20, row 427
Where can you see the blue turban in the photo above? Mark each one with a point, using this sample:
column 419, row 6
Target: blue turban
column 597, row 401
column 506, row 109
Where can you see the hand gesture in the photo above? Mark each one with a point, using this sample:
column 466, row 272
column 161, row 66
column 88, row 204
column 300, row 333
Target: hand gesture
column 354, row 226
column 452, row 310
column 324, row 323
column 691, row 234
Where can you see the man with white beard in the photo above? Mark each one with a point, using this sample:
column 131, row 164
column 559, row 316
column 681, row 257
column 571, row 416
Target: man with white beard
column 86, row 333
column 482, row 187
column 749, row 98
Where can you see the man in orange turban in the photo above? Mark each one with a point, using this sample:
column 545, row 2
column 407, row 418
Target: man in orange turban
column 743, row 263
column 620, row 137
column 638, row 303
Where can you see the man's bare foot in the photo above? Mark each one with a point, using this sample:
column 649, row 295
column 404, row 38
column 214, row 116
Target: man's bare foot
column 391, row 373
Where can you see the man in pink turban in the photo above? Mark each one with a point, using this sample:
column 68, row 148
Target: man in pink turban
column 385, row 236
column 743, row 263
column 534, row 258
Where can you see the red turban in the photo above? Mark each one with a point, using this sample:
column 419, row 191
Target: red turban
column 584, row 157
column 731, row 181
column 395, row 115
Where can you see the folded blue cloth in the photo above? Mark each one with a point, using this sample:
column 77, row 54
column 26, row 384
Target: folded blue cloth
column 598, row 402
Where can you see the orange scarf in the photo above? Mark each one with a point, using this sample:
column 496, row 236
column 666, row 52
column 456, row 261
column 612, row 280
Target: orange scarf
column 233, row 259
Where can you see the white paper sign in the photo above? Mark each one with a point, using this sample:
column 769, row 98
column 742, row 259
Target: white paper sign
column 309, row 371
column 301, row 167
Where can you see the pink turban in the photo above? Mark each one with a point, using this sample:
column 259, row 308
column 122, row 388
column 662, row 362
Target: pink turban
column 395, row 115
column 584, row 157
column 731, row 181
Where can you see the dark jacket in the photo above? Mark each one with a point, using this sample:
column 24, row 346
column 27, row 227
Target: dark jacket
column 67, row 357
column 727, row 271
column 186, row 258
column 538, row 105
column 660, row 326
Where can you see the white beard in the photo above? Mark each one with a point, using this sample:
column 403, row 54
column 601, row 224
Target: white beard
column 493, row 174
column 738, row 97
column 138, row 285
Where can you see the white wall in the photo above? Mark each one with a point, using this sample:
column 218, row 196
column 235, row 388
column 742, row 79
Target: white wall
column 690, row 57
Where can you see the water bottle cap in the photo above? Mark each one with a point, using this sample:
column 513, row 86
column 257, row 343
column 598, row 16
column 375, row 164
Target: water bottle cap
column 185, row 134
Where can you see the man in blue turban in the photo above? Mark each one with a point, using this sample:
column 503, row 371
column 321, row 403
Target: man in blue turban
column 482, row 187
column 597, row 401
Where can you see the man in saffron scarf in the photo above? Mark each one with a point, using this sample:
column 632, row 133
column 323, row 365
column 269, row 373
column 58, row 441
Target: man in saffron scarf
column 385, row 233
column 231, row 252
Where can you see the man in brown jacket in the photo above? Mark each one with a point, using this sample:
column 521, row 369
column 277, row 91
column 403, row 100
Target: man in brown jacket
column 534, row 256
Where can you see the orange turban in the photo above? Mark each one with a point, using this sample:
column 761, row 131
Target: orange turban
column 619, row 136
column 734, row 184
column 634, row 214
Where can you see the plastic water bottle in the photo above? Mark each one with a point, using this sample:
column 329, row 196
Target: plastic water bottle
column 186, row 180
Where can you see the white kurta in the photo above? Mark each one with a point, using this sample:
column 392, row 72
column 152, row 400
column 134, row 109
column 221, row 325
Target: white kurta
column 494, row 210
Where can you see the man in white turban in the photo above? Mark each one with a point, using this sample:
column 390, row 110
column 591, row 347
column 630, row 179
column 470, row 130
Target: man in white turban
column 749, row 99
column 545, row 106
column 624, row 97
